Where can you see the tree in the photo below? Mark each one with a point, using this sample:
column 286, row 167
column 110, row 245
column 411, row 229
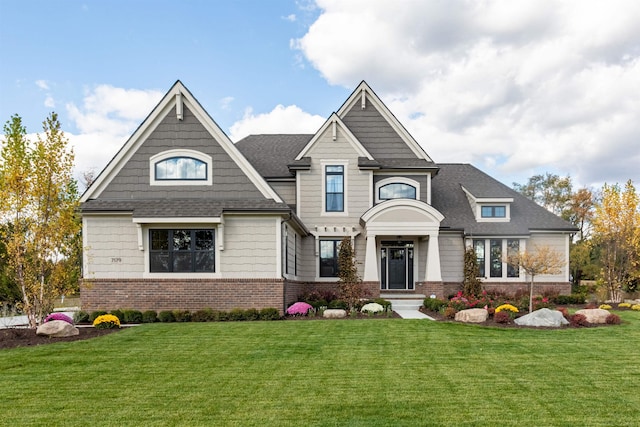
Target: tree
column 39, row 198
column 472, row 285
column 616, row 228
column 349, row 282
column 539, row 260
column 549, row 191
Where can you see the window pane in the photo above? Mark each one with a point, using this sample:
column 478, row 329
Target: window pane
column 478, row 246
column 513, row 247
column 397, row 191
column 159, row 262
column 205, row 261
column 182, row 262
column 487, row 212
column 499, row 211
column 335, row 169
column 160, row 240
column 329, row 258
column 335, row 202
column 204, row 240
column 334, row 188
column 334, row 183
column 181, row 168
column 495, row 269
column 181, row 240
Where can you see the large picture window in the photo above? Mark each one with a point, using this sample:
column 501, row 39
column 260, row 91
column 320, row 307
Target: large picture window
column 489, row 254
column 329, row 258
column 334, row 188
column 181, row 250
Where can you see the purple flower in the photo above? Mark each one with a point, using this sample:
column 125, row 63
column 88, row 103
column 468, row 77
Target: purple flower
column 299, row 308
column 59, row 316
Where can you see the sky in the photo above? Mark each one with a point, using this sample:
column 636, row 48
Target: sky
column 515, row 87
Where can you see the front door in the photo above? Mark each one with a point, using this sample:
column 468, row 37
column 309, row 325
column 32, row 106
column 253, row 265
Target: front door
column 396, row 266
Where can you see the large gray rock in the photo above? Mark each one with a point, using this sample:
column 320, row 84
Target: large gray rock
column 594, row 315
column 57, row 328
column 542, row 317
column 472, row 315
column 334, row 313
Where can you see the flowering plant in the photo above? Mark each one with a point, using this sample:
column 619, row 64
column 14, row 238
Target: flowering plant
column 507, row 307
column 106, row 321
column 372, row 307
column 301, row 308
column 624, row 305
column 635, row 307
column 59, row 316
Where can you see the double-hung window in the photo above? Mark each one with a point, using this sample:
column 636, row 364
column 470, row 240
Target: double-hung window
column 334, row 188
column 181, row 250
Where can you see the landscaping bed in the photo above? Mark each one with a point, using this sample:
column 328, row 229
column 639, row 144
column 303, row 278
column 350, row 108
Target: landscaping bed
column 25, row 337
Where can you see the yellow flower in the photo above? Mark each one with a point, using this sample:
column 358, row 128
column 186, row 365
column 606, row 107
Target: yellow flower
column 635, row 307
column 109, row 320
column 605, row 307
column 624, row 305
column 508, row 307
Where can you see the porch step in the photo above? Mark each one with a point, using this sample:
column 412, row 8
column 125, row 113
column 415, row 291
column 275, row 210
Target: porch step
column 404, row 301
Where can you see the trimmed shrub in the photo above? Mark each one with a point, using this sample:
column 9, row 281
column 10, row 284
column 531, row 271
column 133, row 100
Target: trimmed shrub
column 119, row 314
column 269, row 314
column 81, row 317
column 578, row 320
column 132, row 316
column 237, row 314
column 166, row 316
column 569, row 299
column 252, row 314
column 450, row 312
column 220, row 316
column 434, row 304
column 203, row 315
column 96, row 314
column 383, row 302
column 338, row 303
column 613, row 319
column 149, row 316
column 182, row 315
column 502, row 317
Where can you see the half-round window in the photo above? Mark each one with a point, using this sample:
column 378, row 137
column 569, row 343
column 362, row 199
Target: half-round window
column 396, row 190
column 181, row 168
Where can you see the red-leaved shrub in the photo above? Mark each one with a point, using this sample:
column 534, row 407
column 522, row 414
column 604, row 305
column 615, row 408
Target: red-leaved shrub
column 564, row 312
column 578, row 320
column 613, row 319
column 502, row 317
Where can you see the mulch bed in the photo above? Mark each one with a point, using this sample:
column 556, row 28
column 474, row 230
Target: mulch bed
column 24, row 337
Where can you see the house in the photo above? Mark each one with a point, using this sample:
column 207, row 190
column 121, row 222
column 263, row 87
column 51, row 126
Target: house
column 184, row 218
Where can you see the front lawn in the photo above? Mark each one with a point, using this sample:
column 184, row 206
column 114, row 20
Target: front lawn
column 389, row 372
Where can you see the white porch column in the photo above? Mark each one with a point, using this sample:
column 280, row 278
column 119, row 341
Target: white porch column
column 370, row 260
column 433, row 260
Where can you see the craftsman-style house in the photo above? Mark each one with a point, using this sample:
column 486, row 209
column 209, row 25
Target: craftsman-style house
column 184, row 218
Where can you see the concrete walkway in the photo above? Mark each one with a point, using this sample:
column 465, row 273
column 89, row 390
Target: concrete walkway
column 413, row 314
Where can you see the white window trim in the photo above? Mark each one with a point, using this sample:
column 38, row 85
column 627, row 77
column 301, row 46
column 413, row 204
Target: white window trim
column 205, row 158
column 507, row 212
column 396, row 180
column 345, row 165
column 204, row 225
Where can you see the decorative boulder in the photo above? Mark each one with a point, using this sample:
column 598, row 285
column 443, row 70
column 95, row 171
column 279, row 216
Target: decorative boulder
column 472, row 315
column 57, row 328
column 542, row 318
column 594, row 315
column 334, row 313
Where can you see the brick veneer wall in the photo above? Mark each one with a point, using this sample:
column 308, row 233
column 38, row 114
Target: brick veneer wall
column 185, row 294
column 443, row 290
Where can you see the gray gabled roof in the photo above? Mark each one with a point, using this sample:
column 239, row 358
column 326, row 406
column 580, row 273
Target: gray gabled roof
column 449, row 198
column 270, row 154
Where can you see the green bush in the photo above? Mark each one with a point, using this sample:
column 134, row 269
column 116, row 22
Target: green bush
column 81, row 317
column 166, row 316
column 237, row 314
column 203, row 315
column 338, row 303
column 569, row 299
column 434, row 304
column 269, row 314
column 95, row 314
column 252, row 314
column 132, row 316
column 119, row 314
column 149, row 316
column 182, row 315
column 220, row 316
column 383, row 302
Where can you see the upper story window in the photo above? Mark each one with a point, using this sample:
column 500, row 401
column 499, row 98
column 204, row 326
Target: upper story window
column 396, row 190
column 497, row 211
column 334, row 188
column 397, row 187
column 180, row 167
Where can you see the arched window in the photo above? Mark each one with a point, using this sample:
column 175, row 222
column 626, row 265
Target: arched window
column 181, row 168
column 397, row 190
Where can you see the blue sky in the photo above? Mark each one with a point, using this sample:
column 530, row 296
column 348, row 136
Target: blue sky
column 514, row 87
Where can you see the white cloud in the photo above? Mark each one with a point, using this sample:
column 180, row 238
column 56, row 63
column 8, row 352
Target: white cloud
column 290, row 18
column 42, row 84
column 226, row 102
column 49, row 102
column 105, row 120
column 281, row 119
column 510, row 86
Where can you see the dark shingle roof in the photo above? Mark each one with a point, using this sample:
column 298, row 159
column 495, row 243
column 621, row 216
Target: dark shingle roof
column 270, row 154
column 449, row 198
column 181, row 208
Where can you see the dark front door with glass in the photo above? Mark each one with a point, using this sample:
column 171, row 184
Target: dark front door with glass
column 396, row 265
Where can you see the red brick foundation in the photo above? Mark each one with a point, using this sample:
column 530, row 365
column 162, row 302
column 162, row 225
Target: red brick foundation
column 184, row 294
column 443, row 290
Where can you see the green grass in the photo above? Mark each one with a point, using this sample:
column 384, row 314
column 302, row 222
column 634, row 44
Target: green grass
column 384, row 372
